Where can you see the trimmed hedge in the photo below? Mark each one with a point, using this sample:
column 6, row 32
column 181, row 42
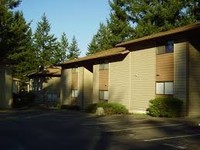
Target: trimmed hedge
column 165, row 107
column 109, row 108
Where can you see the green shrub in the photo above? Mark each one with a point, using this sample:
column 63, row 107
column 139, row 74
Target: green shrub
column 109, row 108
column 23, row 99
column 165, row 107
column 70, row 107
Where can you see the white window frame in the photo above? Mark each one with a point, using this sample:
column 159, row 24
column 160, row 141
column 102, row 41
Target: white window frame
column 165, row 88
column 74, row 93
column 167, row 48
column 104, row 66
column 103, row 95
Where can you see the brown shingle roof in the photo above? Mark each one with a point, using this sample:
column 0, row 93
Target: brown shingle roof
column 102, row 54
column 48, row 71
column 161, row 34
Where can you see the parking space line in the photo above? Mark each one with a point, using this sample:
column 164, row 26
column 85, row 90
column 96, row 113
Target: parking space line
column 175, row 146
column 146, row 127
column 172, row 137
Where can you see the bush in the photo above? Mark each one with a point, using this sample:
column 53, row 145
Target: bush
column 109, row 108
column 70, row 107
column 23, row 99
column 165, row 107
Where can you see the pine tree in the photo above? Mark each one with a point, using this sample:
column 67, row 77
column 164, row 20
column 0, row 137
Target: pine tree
column 118, row 23
column 15, row 38
column 100, row 41
column 63, row 49
column 23, row 48
column 45, row 43
column 74, row 51
column 116, row 30
column 159, row 15
column 7, row 34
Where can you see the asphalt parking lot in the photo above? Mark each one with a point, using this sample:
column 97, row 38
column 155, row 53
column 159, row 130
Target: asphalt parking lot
column 61, row 130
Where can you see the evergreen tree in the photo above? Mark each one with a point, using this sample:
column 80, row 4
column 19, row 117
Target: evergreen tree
column 7, row 34
column 23, row 53
column 116, row 30
column 118, row 23
column 101, row 40
column 74, row 51
column 159, row 15
column 45, row 43
column 15, row 38
column 63, row 48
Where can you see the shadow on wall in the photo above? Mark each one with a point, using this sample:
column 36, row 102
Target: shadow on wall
column 194, row 80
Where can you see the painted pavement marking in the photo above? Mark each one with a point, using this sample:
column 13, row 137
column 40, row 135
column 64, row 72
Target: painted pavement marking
column 146, row 127
column 175, row 146
column 172, row 137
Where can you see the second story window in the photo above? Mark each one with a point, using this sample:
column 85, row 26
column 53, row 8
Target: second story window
column 167, row 48
column 104, row 66
column 75, row 70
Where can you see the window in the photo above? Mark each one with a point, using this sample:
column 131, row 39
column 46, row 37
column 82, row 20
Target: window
column 74, row 70
column 104, row 66
column 166, row 88
column 103, row 95
column 74, row 93
column 168, row 48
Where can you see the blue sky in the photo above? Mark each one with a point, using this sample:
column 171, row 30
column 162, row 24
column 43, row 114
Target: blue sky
column 80, row 18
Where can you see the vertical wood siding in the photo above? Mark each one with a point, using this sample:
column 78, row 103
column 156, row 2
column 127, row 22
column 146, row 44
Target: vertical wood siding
column 95, row 83
column 103, row 79
column 66, row 82
column 180, row 72
column 194, row 81
column 74, row 80
column 119, row 82
column 87, row 88
column 143, row 74
column 165, row 67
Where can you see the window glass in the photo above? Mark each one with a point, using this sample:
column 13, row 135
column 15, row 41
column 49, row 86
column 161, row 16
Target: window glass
column 103, row 66
column 74, row 70
column 169, row 88
column 160, row 50
column 159, row 88
column 169, row 47
column 74, row 93
column 103, row 95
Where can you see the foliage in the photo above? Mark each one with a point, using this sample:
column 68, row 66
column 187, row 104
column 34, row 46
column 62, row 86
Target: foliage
column 137, row 18
column 64, row 47
column 70, row 107
column 46, row 44
column 109, row 108
column 74, row 51
column 165, row 107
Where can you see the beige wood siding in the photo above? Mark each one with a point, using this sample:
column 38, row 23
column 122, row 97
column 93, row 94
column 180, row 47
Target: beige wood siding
column 5, row 87
column 194, row 81
column 79, row 86
column 143, row 74
column 119, row 82
column 165, row 67
column 66, row 82
column 88, row 89
column 103, row 80
column 74, row 80
column 52, row 86
column 180, row 72
column 95, row 83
